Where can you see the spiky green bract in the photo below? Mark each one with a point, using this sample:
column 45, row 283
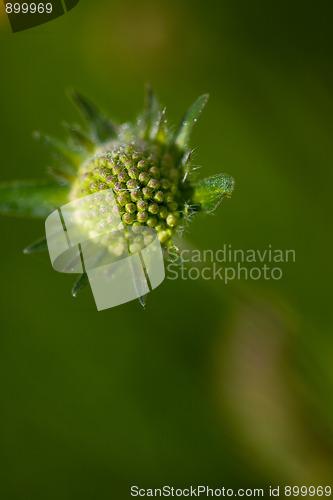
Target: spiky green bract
column 80, row 283
column 38, row 246
column 147, row 166
column 209, row 193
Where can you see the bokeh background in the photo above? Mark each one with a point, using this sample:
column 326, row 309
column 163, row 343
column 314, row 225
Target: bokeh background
column 211, row 384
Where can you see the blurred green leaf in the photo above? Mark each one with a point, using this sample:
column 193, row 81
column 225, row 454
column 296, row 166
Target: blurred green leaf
column 103, row 128
column 81, row 138
column 38, row 246
column 150, row 114
column 184, row 129
column 31, row 198
column 210, row 192
column 60, row 151
column 161, row 128
column 79, row 284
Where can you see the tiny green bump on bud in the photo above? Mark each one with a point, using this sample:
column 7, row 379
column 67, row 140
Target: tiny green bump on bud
column 163, row 236
column 122, row 157
column 163, row 212
column 130, row 208
column 104, row 173
column 128, row 164
column 147, row 193
column 155, row 172
column 151, row 222
column 159, row 196
column 144, row 177
column 118, row 187
column 142, row 216
column 93, row 186
column 117, row 169
column 160, row 226
column 121, row 227
column 133, row 173
column 169, row 197
column 123, row 177
column 111, row 180
column 132, row 184
column 142, row 205
column 136, row 228
column 122, row 199
column 135, row 195
column 153, row 208
column 117, row 211
column 128, row 218
column 154, row 184
column 142, row 165
column 171, row 220
column 102, row 186
column 165, row 184
column 172, row 206
column 136, row 156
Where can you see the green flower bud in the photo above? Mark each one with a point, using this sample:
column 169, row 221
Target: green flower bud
column 159, row 196
column 135, row 194
column 136, row 156
column 142, row 216
column 111, row 180
column 172, row 206
column 118, row 187
column 93, row 186
column 154, row 184
column 123, row 198
column 171, row 220
column 165, row 184
column 142, row 205
column 144, row 177
column 145, row 167
column 132, row 184
column 133, row 173
column 128, row 218
column 153, row 208
column 163, row 212
column 130, row 208
column 117, row 169
column 142, row 165
column 155, row 172
column 123, row 177
column 137, row 227
column 147, row 193
column 152, row 221
column 163, row 236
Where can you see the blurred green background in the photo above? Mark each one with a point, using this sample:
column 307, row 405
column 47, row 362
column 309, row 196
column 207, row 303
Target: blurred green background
column 211, row 384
